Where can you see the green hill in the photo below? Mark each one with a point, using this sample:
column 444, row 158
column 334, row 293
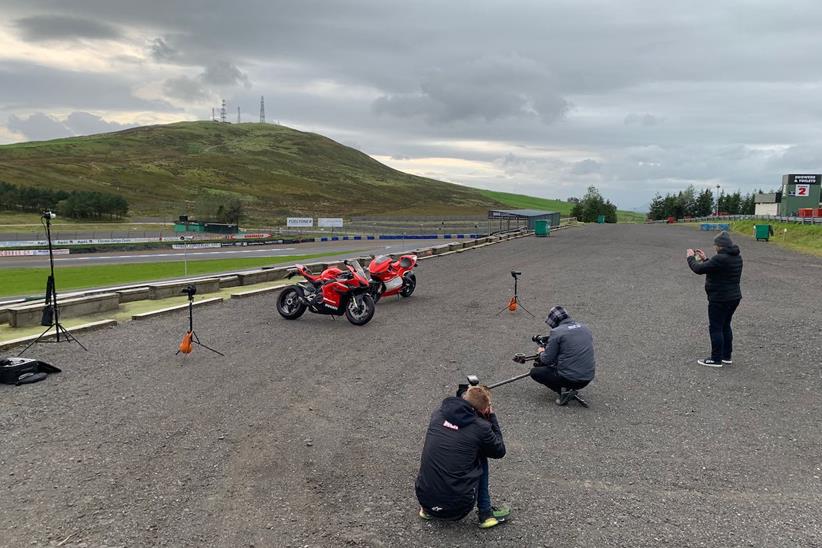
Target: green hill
column 274, row 170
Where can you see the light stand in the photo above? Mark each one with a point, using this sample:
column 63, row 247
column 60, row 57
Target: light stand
column 191, row 337
column 514, row 303
column 51, row 312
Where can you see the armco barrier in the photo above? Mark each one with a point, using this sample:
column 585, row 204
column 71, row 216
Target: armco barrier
column 27, row 315
column 175, row 289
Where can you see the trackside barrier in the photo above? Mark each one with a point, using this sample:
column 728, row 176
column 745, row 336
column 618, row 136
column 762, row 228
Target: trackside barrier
column 92, row 301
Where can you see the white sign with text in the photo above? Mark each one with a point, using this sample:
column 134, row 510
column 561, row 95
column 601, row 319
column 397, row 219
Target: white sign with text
column 329, row 222
column 300, row 222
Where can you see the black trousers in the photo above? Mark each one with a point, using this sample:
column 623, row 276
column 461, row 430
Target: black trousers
column 553, row 380
column 719, row 327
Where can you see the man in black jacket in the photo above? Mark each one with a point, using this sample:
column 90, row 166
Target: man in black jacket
column 462, row 435
column 722, row 272
column 567, row 364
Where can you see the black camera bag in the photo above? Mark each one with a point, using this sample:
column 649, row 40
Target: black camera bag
column 24, row 370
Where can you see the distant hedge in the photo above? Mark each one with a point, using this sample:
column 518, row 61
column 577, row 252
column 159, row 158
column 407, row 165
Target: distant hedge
column 75, row 204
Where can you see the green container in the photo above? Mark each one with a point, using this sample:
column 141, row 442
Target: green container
column 541, row 228
column 763, row 232
column 601, row 219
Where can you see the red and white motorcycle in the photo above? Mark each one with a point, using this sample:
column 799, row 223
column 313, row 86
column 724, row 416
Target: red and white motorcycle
column 389, row 277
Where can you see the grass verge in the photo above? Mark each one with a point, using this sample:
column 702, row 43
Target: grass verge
column 32, row 281
column 803, row 238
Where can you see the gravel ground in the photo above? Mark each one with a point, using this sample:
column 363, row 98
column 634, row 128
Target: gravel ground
column 309, row 432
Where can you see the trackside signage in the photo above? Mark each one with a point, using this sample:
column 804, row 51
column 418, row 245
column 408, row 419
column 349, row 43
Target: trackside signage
column 329, row 222
column 299, row 222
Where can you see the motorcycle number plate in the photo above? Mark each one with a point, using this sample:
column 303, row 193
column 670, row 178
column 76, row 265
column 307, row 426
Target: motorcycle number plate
column 393, row 283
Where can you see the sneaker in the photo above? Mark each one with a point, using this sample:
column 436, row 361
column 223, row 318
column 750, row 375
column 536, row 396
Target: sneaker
column 727, row 362
column 708, row 362
column 493, row 517
column 565, row 396
column 425, row 515
column 501, row 512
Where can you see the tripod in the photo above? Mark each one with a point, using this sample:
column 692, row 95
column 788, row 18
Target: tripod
column 514, row 303
column 51, row 313
column 191, row 337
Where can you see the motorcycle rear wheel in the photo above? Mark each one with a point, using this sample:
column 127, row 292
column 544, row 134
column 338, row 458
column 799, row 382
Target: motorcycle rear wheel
column 362, row 312
column 289, row 305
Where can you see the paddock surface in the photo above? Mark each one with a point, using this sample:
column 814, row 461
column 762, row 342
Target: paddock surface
column 309, row 432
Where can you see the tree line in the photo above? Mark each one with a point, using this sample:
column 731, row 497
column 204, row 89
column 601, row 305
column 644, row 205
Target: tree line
column 690, row 203
column 77, row 204
column 592, row 205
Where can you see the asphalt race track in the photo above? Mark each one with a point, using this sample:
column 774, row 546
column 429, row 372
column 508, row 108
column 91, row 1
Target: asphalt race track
column 345, row 248
column 309, row 432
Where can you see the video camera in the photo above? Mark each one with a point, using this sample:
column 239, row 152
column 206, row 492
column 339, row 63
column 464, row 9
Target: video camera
column 541, row 340
column 190, row 290
column 515, row 274
column 48, row 214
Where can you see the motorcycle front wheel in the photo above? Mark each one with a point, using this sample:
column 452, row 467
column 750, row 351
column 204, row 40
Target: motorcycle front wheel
column 289, row 304
column 360, row 309
column 409, row 286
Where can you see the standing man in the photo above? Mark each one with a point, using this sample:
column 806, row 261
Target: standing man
column 722, row 272
column 567, row 364
column 462, row 435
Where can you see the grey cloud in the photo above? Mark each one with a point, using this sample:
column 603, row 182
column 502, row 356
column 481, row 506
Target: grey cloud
column 634, row 119
column 224, row 73
column 487, row 88
column 28, row 86
column 161, row 51
column 39, row 127
column 586, row 167
column 84, row 123
column 59, row 27
column 184, row 88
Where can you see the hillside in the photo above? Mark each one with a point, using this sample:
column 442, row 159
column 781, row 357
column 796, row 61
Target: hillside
column 274, row 170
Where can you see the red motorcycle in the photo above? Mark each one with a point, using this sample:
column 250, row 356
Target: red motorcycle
column 392, row 277
column 334, row 292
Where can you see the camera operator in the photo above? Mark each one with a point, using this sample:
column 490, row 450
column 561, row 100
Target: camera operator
column 567, row 364
column 462, row 435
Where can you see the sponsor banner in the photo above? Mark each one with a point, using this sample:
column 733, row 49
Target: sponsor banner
column 250, row 236
column 30, row 252
column 257, row 242
column 32, row 243
column 329, row 222
column 300, row 222
column 195, row 246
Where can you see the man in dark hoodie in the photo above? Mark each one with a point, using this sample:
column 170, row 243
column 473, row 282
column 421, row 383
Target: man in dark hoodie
column 722, row 272
column 567, row 364
column 462, row 435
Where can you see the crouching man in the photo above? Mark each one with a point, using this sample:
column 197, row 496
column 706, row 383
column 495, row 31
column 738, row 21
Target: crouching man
column 462, row 435
column 567, row 364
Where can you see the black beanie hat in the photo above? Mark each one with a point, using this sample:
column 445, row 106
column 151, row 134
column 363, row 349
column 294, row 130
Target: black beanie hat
column 723, row 240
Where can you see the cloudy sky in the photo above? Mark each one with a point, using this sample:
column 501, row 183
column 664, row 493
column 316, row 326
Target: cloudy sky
column 541, row 98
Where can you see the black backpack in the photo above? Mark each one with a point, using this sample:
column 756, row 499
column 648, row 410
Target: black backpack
column 19, row 371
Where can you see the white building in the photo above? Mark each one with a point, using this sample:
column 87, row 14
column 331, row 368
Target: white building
column 766, row 204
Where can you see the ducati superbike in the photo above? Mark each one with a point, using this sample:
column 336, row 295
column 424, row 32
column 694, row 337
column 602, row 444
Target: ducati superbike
column 334, row 292
column 389, row 277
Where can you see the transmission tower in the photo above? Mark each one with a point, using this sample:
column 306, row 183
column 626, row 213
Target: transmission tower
column 262, row 109
column 222, row 112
